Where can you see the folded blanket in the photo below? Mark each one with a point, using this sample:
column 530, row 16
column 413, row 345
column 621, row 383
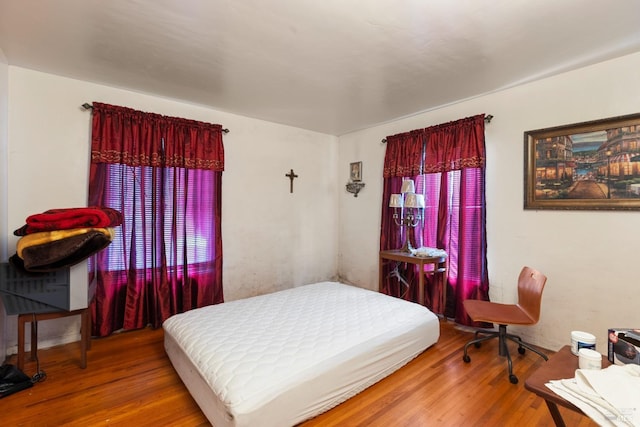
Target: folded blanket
column 426, row 252
column 610, row 397
column 43, row 237
column 64, row 219
column 617, row 385
column 64, row 252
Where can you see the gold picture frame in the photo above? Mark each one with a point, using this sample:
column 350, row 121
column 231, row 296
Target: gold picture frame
column 590, row 165
column 355, row 171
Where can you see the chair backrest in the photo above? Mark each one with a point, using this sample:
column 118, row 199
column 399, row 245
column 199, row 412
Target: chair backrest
column 530, row 286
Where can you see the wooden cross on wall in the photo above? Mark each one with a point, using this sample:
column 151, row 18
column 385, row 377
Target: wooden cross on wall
column 291, row 176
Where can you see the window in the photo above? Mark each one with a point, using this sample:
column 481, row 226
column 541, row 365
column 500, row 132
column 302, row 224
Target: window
column 164, row 174
column 186, row 219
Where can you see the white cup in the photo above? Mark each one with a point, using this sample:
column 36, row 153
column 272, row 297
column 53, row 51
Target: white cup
column 580, row 340
column 589, row 359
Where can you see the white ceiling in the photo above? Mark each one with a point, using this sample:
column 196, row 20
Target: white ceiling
column 332, row 66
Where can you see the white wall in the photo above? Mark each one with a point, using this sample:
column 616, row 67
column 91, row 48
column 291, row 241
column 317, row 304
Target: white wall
column 271, row 239
column 590, row 257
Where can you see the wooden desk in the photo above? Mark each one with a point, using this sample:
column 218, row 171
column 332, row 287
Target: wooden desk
column 561, row 365
column 85, row 332
column 439, row 267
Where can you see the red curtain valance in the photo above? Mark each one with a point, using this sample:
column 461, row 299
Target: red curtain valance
column 449, row 146
column 404, row 154
column 126, row 136
column 455, row 145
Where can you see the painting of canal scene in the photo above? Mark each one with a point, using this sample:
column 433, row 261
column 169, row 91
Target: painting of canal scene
column 590, row 165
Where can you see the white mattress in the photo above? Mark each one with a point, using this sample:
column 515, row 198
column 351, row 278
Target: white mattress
column 281, row 358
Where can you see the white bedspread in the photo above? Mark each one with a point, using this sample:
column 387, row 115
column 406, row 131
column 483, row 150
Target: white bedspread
column 280, row 358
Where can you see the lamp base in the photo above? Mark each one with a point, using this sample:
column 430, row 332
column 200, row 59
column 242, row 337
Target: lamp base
column 407, row 246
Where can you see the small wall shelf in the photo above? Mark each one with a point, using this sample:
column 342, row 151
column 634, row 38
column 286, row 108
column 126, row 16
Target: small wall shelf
column 355, row 187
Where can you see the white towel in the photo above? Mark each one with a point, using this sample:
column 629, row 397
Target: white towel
column 598, row 413
column 611, row 396
column 427, row 252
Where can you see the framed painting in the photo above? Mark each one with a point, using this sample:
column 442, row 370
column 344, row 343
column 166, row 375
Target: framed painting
column 591, row 165
column 356, row 171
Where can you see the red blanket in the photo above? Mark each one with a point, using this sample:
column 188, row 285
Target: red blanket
column 65, row 219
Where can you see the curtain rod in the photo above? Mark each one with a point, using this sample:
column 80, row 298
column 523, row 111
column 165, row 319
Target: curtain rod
column 88, row 106
column 487, row 119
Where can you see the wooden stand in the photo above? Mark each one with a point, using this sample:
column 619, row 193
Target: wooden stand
column 439, row 267
column 560, row 366
column 85, row 332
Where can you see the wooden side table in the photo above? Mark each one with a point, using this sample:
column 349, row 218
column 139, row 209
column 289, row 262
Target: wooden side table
column 85, row 332
column 561, row 365
column 439, row 267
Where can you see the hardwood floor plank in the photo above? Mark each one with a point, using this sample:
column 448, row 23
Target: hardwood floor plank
column 130, row 381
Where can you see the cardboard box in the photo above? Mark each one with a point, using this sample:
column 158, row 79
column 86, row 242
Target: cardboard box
column 624, row 346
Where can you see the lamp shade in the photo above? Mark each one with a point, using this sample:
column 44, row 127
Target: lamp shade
column 413, row 200
column 396, row 201
column 408, row 186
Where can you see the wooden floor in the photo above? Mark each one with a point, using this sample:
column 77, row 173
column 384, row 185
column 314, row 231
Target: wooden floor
column 130, row 381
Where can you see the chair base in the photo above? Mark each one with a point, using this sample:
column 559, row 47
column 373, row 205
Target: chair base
column 503, row 350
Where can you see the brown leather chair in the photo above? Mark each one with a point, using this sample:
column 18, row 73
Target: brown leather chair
column 526, row 312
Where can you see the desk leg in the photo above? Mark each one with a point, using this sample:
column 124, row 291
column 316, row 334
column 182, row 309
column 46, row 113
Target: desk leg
column 421, row 284
column 443, row 299
column 380, row 270
column 84, row 337
column 555, row 414
column 20, row 342
column 34, row 339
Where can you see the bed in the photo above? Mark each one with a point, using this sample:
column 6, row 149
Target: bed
column 281, row 358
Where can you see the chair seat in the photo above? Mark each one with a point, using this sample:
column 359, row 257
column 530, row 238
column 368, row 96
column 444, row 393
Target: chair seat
column 493, row 312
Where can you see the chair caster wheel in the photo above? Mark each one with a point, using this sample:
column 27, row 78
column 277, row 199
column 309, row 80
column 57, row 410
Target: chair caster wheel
column 513, row 379
column 521, row 350
column 466, row 358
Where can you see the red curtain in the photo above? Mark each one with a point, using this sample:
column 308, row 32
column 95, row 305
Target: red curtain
column 164, row 174
column 403, row 158
column 404, row 154
column 452, row 178
column 135, row 138
column 455, row 145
